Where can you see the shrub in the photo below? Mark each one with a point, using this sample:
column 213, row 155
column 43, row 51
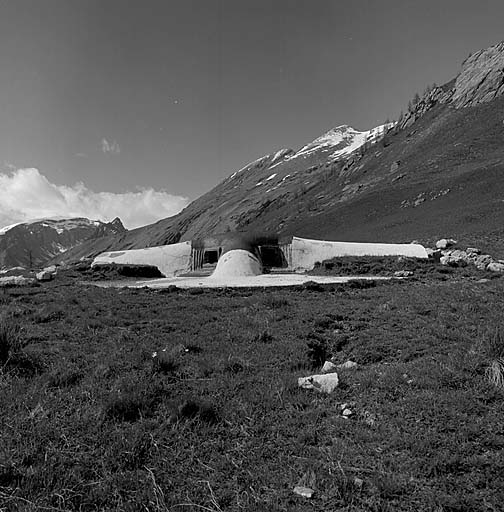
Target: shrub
column 196, row 410
column 316, row 351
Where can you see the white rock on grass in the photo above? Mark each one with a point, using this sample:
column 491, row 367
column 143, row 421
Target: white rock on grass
column 16, row 281
column 347, row 413
column 444, row 243
column 328, row 367
column 495, row 267
column 44, row 276
column 306, row 492
column 403, row 273
column 348, row 365
column 326, row 383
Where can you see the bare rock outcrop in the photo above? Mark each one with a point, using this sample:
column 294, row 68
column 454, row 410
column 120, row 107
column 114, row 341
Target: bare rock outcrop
column 481, row 79
column 428, row 101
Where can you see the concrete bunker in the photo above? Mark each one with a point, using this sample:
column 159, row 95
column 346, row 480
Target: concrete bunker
column 207, row 251
column 274, row 253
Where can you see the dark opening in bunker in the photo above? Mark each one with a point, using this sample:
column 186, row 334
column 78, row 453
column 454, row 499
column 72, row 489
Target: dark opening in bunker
column 210, row 257
column 272, row 256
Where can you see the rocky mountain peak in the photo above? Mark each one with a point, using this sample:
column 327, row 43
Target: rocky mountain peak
column 482, row 77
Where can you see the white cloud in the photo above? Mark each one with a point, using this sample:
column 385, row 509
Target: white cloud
column 110, row 147
column 25, row 194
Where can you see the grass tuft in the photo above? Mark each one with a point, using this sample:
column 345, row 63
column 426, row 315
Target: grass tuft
column 492, row 346
column 195, row 410
column 11, row 342
column 133, row 400
column 495, row 373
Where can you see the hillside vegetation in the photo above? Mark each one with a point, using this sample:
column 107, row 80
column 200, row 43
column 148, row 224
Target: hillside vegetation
column 93, row 420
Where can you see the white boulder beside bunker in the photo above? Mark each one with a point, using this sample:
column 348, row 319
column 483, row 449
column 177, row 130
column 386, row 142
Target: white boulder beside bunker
column 325, row 383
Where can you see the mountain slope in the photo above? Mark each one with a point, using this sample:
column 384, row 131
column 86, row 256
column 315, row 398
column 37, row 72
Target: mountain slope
column 438, row 171
column 32, row 244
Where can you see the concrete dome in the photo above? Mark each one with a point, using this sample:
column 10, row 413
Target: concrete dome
column 237, row 263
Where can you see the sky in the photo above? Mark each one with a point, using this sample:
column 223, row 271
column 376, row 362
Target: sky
column 133, row 108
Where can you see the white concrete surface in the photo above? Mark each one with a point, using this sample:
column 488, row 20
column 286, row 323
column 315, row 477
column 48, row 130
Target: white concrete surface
column 237, row 263
column 169, row 259
column 306, row 252
column 263, row 280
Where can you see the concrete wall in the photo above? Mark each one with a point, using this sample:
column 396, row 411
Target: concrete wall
column 305, row 252
column 237, row 263
column 169, row 259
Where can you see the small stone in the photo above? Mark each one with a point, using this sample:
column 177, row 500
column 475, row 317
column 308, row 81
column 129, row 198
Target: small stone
column 348, row 365
column 394, row 166
column 444, row 243
column 403, row 273
column 358, row 482
column 347, row 413
column 305, row 492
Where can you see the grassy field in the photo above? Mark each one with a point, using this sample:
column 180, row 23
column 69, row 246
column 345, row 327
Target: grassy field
column 90, row 420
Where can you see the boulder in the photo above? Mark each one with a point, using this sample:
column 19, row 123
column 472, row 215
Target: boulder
column 473, row 250
column 325, row 383
column 328, row 367
column 455, row 258
column 495, row 267
column 445, row 243
column 482, row 261
column 43, row 275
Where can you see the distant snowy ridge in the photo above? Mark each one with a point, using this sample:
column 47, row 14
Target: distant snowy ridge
column 59, row 224
column 344, row 140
